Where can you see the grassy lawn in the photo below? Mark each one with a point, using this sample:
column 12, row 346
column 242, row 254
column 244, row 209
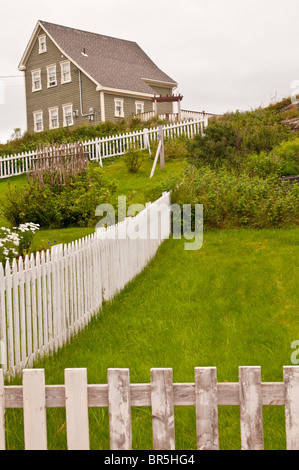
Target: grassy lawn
column 233, row 303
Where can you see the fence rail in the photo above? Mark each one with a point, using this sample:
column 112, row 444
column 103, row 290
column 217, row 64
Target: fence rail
column 47, row 298
column 162, row 395
column 107, row 147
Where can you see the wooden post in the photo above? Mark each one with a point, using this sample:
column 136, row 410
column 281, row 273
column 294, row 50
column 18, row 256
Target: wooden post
column 161, row 138
column 250, row 394
column 160, row 151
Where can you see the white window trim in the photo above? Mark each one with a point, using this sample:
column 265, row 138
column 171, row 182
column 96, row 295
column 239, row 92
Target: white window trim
column 40, row 79
column 61, row 70
column 142, row 106
column 50, row 117
column 120, row 100
column 40, row 50
column 64, row 106
column 34, row 119
column 48, row 75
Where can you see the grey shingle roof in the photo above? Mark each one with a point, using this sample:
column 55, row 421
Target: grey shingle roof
column 111, row 62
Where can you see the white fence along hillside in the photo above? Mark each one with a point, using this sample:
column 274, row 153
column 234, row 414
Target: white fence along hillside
column 48, row 298
column 113, row 146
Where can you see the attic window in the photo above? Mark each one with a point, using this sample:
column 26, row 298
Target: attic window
column 42, row 44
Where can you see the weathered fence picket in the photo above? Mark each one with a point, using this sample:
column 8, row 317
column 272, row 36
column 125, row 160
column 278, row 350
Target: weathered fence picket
column 46, row 299
column 205, row 394
column 99, row 148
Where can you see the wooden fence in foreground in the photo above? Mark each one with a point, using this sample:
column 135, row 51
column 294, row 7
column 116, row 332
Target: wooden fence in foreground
column 162, row 395
column 46, row 299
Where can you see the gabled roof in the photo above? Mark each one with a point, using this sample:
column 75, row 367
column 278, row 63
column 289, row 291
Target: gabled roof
column 109, row 62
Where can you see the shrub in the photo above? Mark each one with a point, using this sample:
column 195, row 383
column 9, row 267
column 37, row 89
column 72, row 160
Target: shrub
column 134, row 159
column 229, row 139
column 57, row 207
column 16, row 242
column 238, row 200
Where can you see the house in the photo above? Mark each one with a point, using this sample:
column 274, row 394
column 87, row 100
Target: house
column 74, row 77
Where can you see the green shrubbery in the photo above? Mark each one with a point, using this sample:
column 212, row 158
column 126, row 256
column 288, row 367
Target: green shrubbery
column 235, row 170
column 57, row 207
column 134, row 158
column 30, row 140
column 16, row 242
column 233, row 200
column 230, row 139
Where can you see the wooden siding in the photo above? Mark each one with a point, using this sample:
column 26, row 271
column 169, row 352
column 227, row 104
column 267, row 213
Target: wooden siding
column 129, row 105
column 60, row 94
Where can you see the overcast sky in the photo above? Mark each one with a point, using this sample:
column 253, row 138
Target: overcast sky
column 224, row 54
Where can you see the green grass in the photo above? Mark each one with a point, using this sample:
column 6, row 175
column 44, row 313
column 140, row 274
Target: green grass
column 233, row 303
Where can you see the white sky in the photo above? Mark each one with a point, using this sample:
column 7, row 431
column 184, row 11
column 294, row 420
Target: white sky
column 224, row 54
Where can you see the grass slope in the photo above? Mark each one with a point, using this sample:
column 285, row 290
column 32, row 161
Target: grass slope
column 232, row 303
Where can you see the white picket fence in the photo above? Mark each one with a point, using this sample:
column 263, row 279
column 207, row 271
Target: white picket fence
column 205, row 394
column 107, row 147
column 46, row 299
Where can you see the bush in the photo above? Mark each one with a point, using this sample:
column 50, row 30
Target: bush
column 17, row 242
column 57, row 207
column 231, row 200
column 134, row 159
column 229, row 139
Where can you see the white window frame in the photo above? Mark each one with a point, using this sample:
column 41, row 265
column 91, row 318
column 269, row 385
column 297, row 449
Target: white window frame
column 62, row 73
column 33, row 72
column 49, row 67
column 64, row 107
column 116, row 105
column 35, row 114
column 51, row 110
column 139, row 103
column 40, row 42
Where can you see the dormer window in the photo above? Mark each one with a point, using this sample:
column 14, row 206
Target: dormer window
column 42, row 44
column 36, row 80
column 51, row 74
column 65, row 72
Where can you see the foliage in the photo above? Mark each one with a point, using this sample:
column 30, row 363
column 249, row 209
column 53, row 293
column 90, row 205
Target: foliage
column 229, row 139
column 134, row 158
column 56, row 207
column 31, row 140
column 238, row 200
column 16, row 242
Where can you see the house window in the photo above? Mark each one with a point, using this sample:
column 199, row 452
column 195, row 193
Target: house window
column 36, row 80
column 65, row 72
column 42, row 45
column 139, row 106
column 53, row 118
column 68, row 115
column 119, row 107
column 38, row 121
column 51, row 74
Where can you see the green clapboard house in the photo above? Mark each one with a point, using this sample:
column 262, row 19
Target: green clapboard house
column 74, row 77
